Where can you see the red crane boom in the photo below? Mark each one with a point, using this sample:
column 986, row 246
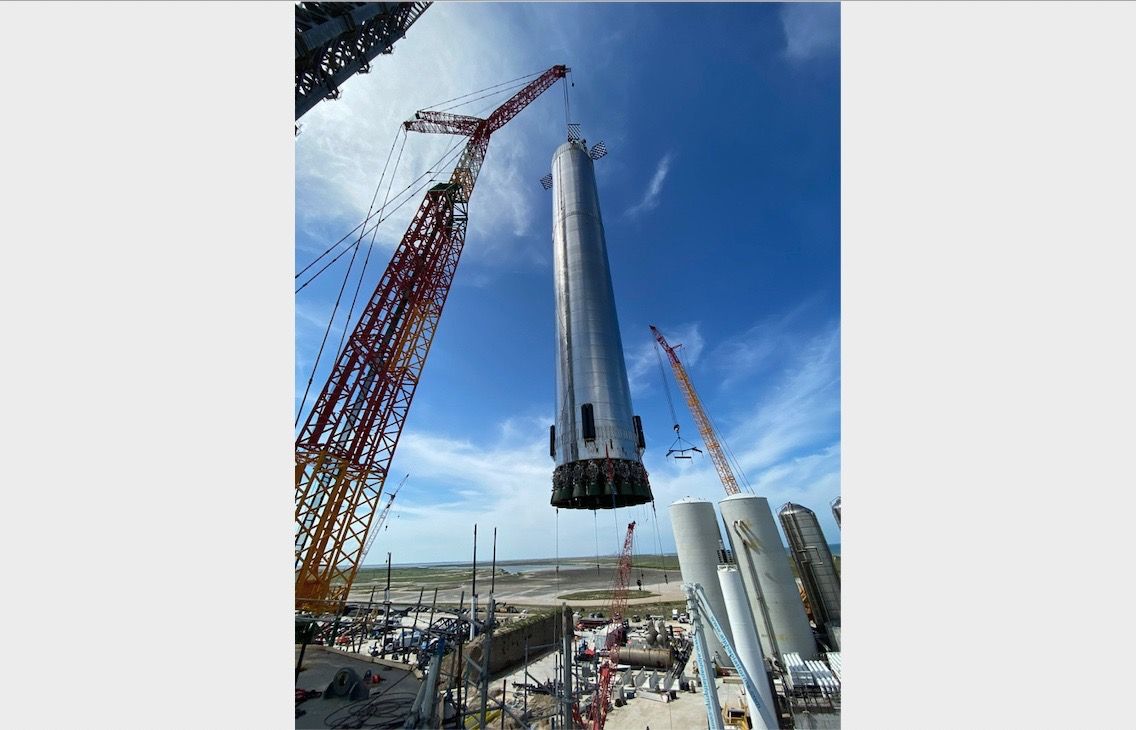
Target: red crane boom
column 616, row 635
column 717, row 455
column 345, row 447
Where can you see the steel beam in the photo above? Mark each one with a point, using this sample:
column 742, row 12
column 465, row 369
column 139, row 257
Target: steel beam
column 334, row 41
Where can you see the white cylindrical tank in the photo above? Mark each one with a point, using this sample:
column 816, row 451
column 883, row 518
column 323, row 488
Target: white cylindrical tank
column 763, row 562
column 697, row 536
column 746, row 645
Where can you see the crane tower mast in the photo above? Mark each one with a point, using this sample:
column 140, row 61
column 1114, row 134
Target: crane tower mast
column 345, row 447
column 699, row 414
column 616, row 635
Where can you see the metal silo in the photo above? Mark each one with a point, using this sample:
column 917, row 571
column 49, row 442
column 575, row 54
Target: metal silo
column 743, row 629
column 595, row 436
column 696, row 533
column 782, row 625
column 814, row 563
column 836, row 510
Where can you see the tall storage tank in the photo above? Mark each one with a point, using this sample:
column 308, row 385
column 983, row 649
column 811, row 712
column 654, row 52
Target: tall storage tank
column 836, row 510
column 782, row 625
column 697, row 537
column 814, row 563
column 747, row 646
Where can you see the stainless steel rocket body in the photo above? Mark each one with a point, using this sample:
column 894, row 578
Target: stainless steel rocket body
column 597, row 441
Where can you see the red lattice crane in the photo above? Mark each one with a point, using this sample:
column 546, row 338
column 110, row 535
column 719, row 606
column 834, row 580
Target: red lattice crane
column 616, row 635
column 700, row 417
column 345, row 447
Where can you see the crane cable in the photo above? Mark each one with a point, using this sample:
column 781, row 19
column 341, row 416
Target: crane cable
column 447, row 157
column 434, row 169
column 347, row 274
column 487, row 88
column 485, row 96
column 596, row 526
column 365, row 220
column 567, row 107
column 659, row 543
column 370, row 248
column 729, row 452
column 666, row 386
column 442, row 162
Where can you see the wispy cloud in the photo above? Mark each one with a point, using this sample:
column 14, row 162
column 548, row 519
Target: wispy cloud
column 786, row 439
column 650, row 199
column 344, row 143
column 812, row 30
column 789, row 448
column 454, row 483
column 803, row 411
column 643, row 363
column 763, row 346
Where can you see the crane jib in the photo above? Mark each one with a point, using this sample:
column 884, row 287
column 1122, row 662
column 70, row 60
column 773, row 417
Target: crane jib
column 346, row 444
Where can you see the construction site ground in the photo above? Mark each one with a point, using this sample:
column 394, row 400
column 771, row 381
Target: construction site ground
column 392, row 697
column 687, row 710
column 684, row 713
column 537, row 585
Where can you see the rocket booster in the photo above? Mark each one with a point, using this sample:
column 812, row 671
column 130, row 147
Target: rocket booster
column 596, row 442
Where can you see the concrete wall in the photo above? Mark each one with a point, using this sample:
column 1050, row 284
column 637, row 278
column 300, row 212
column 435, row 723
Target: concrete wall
column 508, row 647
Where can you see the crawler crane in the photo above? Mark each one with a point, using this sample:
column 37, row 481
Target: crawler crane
column 345, row 447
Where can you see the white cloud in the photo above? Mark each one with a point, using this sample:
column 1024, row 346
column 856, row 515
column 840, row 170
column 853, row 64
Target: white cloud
column 803, row 410
column 643, row 362
column 790, row 450
column 453, row 49
column 650, row 199
column 506, row 484
column 812, row 30
column 761, row 346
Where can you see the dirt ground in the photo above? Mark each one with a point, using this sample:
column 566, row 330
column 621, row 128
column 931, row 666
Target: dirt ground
column 528, row 588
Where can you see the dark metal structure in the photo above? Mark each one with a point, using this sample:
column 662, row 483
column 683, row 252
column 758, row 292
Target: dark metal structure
column 337, row 40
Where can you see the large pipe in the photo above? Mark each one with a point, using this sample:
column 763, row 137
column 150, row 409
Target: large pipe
column 696, row 534
column 646, row 656
column 596, row 441
column 744, row 630
column 782, row 626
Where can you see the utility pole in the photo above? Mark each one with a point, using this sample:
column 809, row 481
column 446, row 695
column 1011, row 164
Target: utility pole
column 473, row 592
column 387, row 606
column 367, row 619
column 486, row 646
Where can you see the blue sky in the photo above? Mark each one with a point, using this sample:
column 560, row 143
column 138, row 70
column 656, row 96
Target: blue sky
column 720, row 196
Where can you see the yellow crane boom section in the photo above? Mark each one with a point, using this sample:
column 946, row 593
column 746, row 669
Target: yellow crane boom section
column 700, row 418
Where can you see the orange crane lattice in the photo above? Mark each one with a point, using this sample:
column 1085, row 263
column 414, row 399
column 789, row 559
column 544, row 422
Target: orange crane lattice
column 700, row 417
column 344, row 449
